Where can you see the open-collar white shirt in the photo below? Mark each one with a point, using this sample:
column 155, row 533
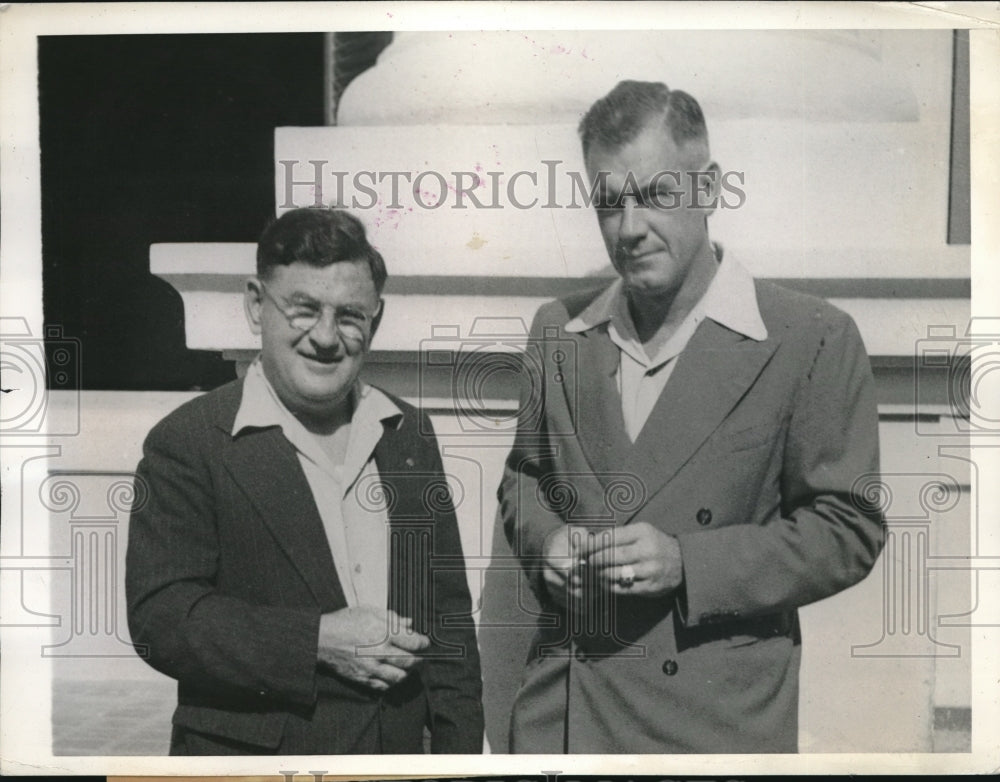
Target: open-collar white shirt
column 347, row 497
column 730, row 300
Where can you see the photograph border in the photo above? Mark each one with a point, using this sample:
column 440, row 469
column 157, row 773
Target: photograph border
column 26, row 714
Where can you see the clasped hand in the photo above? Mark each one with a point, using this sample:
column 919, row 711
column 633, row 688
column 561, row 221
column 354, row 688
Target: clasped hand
column 575, row 556
column 371, row 646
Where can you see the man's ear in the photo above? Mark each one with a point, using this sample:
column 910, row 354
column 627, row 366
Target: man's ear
column 713, row 178
column 253, row 300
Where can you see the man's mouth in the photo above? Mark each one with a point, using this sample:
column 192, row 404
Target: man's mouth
column 324, row 360
column 630, row 258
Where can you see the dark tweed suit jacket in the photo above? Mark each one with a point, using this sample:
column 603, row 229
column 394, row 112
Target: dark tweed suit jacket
column 755, row 457
column 228, row 572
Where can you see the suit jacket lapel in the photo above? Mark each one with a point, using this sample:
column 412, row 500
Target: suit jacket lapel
column 600, row 427
column 711, row 376
column 266, row 467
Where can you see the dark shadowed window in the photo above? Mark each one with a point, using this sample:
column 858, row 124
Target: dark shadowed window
column 157, row 138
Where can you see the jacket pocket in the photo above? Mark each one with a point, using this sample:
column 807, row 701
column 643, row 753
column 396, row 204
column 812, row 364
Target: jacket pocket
column 748, row 438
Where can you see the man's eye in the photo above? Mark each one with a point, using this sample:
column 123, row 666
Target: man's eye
column 352, row 316
column 302, row 311
column 667, row 197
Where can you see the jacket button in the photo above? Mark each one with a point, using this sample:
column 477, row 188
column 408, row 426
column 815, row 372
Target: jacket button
column 670, row 667
column 704, row 516
column 581, row 655
column 409, row 461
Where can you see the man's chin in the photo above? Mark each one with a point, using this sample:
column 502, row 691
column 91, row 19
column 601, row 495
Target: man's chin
column 645, row 271
column 647, row 286
column 322, row 400
column 325, row 399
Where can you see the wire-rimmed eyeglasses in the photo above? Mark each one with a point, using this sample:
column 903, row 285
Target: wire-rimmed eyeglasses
column 352, row 323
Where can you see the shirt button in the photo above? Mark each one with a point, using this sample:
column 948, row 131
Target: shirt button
column 704, row 516
column 409, row 461
column 357, row 568
column 670, row 667
column 581, row 655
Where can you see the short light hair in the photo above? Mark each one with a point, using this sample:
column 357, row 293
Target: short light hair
column 621, row 115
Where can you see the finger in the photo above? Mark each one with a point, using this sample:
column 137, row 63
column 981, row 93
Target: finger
column 383, row 676
column 369, row 676
column 375, row 684
column 631, row 533
column 401, row 658
column 389, row 674
column 636, row 590
column 641, row 588
column 623, row 578
column 578, row 578
column 591, row 540
column 556, row 571
column 555, row 579
column 398, row 620
column 609, row 540
column 614, row 557
column 410, row 641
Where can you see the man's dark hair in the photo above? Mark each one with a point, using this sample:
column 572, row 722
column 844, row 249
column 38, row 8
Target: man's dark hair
column 619, row 117
column 318, row 236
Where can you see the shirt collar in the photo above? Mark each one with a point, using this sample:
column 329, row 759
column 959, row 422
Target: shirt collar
column 731, row 301
column 259, row 407
column 372, row 410
column 599, row 311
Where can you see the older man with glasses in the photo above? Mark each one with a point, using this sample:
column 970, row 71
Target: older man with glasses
column 285, row 566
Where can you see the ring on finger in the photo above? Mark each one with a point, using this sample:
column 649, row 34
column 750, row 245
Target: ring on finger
column 627, row 577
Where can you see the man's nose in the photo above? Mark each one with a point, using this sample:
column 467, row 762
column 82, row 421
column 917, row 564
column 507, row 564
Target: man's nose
column 633, row 223
column 325, row 335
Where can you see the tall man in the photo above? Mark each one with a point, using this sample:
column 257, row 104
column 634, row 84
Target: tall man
column 693, row 478
column 296, row 564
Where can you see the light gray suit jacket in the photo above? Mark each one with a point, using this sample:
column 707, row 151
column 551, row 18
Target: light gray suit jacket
column 754, row 458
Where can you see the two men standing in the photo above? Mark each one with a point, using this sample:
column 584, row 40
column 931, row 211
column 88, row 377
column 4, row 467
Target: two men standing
column 299, row 617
